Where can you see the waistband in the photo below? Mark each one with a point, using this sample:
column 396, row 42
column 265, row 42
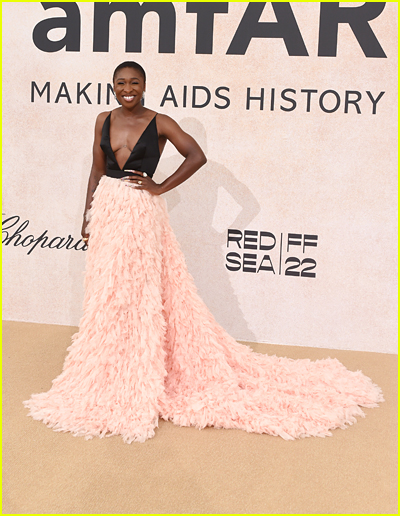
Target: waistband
column 119, row 174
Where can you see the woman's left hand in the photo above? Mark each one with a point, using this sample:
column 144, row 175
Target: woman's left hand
column 141, row 181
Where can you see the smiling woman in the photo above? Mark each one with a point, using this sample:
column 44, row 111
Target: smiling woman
column 147, row 346
column 129, row 140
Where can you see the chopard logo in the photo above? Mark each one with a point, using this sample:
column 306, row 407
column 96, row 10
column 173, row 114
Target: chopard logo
column 18, row 236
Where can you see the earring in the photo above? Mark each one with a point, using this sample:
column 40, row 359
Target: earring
column 142, row 99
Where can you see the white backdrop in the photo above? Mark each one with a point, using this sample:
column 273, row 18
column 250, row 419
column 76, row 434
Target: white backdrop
column 301, row 172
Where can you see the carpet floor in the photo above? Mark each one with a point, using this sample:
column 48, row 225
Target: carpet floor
column 184, row 470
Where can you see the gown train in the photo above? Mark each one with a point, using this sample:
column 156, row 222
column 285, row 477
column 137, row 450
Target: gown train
column 148, row 347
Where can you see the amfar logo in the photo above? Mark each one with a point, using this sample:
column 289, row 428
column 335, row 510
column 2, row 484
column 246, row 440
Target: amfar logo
column 250, row 26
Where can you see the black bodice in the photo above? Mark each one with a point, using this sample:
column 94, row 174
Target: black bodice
column 144, row 156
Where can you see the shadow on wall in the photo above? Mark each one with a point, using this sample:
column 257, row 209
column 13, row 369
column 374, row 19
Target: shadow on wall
column 191, row 209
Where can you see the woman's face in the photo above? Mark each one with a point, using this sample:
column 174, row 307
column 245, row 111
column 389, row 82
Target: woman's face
column 129, row 86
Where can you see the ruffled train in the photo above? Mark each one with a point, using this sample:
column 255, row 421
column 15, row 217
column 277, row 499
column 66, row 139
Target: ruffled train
column 148, row 347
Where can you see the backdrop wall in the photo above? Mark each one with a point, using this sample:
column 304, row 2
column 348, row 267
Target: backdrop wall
column 289, row 230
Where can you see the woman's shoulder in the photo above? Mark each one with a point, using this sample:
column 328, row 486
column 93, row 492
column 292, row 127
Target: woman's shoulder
column 100, row 119
column 165, row 123
column 150, row 112
column 102, row 116
column 164, row 118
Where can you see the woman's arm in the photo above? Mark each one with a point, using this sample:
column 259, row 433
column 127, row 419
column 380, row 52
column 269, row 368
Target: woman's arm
column 98, row 168
column 186, row 145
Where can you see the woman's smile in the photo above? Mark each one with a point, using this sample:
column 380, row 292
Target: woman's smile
column 128, row 98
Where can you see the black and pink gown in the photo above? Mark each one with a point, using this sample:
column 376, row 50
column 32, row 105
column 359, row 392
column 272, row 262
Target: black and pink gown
column 148, row 347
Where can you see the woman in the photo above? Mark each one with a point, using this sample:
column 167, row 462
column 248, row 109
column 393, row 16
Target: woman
column 129, row 123
column 147, row 346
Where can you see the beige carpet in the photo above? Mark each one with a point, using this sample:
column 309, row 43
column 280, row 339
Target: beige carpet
column 184, row 470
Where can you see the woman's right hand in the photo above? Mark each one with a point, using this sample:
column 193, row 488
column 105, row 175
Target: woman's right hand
column 84, row 233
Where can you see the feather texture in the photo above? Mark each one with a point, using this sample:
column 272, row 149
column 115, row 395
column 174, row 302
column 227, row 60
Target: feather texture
column 148, row 347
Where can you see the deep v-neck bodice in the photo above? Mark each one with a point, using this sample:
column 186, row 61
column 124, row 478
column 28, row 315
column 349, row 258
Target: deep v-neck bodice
column 144, row 156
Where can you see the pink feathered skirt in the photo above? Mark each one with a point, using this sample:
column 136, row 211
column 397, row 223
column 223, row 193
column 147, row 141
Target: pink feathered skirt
column 148, row 347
